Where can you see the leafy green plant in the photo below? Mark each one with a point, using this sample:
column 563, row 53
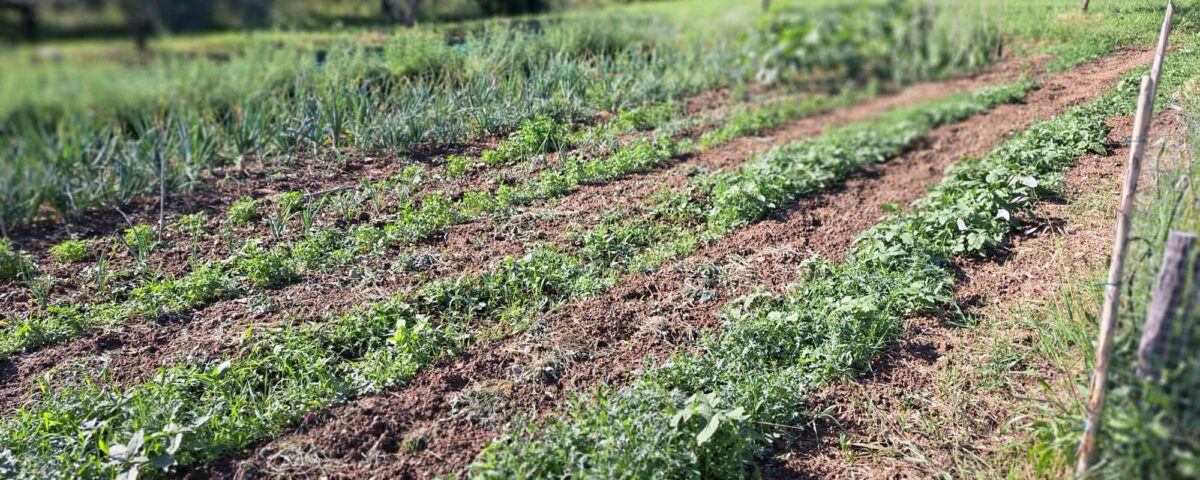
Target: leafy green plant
column 290, row 203
column 770, row 351
column 244, row 210
column 71, row 251
column 192, row 224
column 320, row 249
column 141, row 240
column 12, row 262
column 264, row 268
column 202, row 285
column 536, row 136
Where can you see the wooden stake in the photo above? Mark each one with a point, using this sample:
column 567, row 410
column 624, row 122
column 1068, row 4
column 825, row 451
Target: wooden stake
column 1161, row 52
column 1112, row 288
column 1168, row 295
column 1083, row 8
column 162, row 188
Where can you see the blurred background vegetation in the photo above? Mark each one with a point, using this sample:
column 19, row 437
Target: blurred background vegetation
column 32, row 20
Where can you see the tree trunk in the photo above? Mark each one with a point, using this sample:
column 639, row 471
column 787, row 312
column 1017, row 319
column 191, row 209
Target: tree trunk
column 389, row 10
column 1083, row 8
column 410, row 12
column 28, row 12
column 139, row 29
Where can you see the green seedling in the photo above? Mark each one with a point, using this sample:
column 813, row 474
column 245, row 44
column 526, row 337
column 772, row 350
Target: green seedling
column 71, row 251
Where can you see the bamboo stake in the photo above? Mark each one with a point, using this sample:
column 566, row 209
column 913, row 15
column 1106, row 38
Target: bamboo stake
column 1112, row 291
column 1112, row 288
column 1168, row 295
column 1161, row 52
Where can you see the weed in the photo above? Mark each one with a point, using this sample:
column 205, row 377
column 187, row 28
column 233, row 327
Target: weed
column 12, row 262
column 290, row 204
column 264, row 268
column 71, row 251
column 244, row 210
column 141, row 240
column 192, row 224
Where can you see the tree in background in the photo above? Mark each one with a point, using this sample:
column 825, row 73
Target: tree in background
column 511, row 7
column 406, row 16
column 27, row 10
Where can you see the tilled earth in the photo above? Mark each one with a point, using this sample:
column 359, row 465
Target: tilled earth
column 439, row 421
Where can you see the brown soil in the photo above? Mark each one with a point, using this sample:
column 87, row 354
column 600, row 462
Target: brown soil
column 922, row 377
column 604, row 339
column 135, row 351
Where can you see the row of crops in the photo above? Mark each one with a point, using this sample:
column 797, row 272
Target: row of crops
column 75, row 141
column 711, row 413
column 218, row 407
column 749, row 383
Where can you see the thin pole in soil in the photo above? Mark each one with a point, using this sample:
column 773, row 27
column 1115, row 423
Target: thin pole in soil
column 162, row 187
column 1112, row 288
column 1167, row 297
column 1161, row 52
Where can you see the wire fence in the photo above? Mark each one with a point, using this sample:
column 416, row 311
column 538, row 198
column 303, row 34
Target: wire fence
column 1151, row 424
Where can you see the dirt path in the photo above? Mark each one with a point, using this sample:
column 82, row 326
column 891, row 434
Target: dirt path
column 939, row 402
column 444, row 416
column 135, row 351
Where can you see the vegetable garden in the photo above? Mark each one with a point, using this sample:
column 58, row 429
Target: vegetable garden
column 650, row 241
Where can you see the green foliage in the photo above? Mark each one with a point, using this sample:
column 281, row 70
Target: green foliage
column 458, row 165
column 868, row 41
column 290, row 203
column 423, row 55
column 71, row 251
column 12, row 262
column 40, row 329
column 751, row 121
column 193, row 223
column 172, row 296
column 536, row 136
column 641, row 118
column 321, row 249
column 768, row 181
column 366, row 238
column 770, row 351
column 141, row 240
column 244, row 210
column 264, row 268
column 265, row 99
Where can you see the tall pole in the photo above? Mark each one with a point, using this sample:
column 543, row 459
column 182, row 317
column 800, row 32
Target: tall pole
column 1112, row 288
